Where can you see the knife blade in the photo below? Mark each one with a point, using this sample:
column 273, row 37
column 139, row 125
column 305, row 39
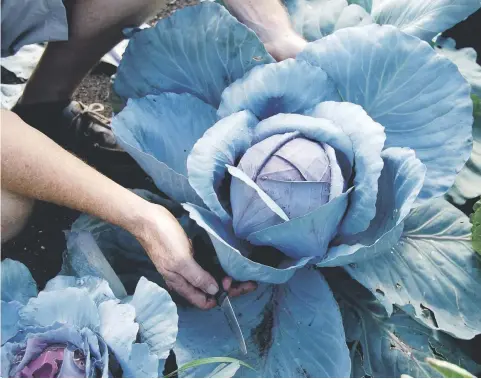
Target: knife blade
column 212, row 265
column 224, row 302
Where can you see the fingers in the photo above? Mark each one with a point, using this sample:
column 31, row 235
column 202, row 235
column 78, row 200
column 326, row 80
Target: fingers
column 190, row 293
column 198, row 277
column 226, row 283
column 243, row 288
column 238, row 288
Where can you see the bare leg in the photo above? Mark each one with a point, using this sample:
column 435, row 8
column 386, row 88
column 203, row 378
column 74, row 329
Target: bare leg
column 16, row 210
column 95, row 26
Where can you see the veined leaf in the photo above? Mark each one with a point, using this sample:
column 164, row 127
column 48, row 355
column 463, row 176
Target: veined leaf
column 432, row 273
column 389, row 346
column 468, row 181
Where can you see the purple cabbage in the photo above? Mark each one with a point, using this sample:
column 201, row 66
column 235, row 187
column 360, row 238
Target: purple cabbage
column 295, row 172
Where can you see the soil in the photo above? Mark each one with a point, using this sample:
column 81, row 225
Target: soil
column 95, row 88
column 468, row 33
column 172, row 5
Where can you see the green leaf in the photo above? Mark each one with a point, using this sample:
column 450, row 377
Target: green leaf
column 206, row 361
column 448, row 370
column 468, row 181
column 224, row 370
column 387, row 347
column 476, row 105
column 432, row 273
column 476, row 229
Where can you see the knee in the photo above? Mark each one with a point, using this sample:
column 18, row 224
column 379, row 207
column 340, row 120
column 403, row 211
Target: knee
column 16, row 210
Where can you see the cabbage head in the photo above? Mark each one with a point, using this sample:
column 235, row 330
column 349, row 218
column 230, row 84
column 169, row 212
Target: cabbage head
column 77, row 328
column 320, row 157
column 337, row 158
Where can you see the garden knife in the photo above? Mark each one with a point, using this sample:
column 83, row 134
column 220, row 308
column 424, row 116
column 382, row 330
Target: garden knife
column 223, row 301
column 213, row 267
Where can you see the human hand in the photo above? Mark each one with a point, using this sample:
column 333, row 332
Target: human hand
column 285, row 46
column 171, row 251
column 270, row 21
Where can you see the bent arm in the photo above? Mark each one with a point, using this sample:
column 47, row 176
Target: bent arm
column 36, row 167
column 270, row 21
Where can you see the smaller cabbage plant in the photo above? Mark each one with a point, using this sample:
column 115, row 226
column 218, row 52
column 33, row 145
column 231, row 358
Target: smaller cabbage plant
column 77, row 328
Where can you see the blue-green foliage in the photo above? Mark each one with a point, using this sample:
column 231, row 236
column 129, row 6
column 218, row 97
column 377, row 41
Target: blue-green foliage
column 201, row 92
column 315, row 19
column 83, row 315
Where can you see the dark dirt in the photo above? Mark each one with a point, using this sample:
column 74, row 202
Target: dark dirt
column 467, row 33
column 95, row 88
column 171, row 7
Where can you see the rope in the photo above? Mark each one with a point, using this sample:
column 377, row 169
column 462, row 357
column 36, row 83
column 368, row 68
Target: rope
column 93, row 110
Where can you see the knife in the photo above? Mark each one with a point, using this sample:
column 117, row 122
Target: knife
column 224, row 302
column 213, row 267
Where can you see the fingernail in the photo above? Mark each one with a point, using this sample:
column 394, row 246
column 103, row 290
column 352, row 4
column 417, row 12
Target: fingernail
column 212, row 289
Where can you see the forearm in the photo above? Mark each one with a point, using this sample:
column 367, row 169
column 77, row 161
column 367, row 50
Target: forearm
column 270, row 21
column 34, row 166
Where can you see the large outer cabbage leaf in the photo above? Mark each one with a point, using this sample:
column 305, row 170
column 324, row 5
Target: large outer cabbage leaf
column 468, row 182
column 291, row 330
column 17, row 283
column 424, row 19
column 293, row 91
column 184, row 60
column 9, row 319
column 394, row 77
column 159, row 133
column 98, row 289
column 432, row 273
column 118, row 328
column 388, row 346
column 315, row 19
